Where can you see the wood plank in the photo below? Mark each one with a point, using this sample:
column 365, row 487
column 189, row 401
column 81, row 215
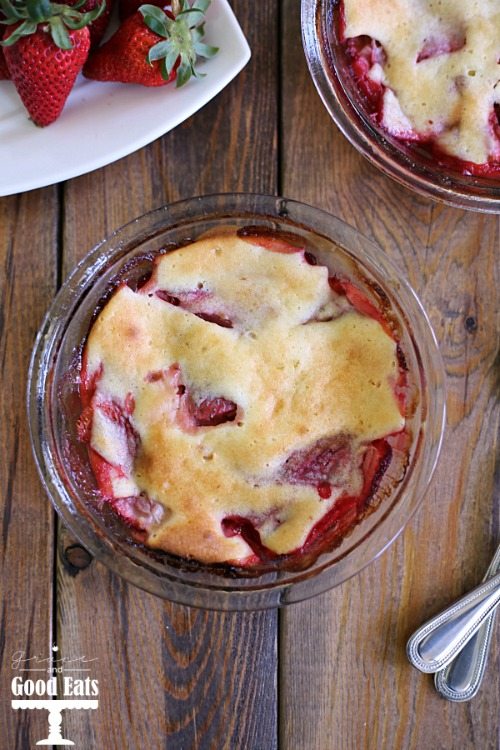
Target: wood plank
column 179, row 677
column 28, row 263
column 345, row 682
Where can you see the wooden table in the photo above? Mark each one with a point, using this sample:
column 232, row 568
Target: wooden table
column 328, row 674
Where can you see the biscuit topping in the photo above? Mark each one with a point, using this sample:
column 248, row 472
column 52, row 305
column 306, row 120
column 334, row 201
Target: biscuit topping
column 237, row 398
column 436, row 66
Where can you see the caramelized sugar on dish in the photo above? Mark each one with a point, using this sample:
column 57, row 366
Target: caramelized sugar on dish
column 430, row 71
column 244, row 404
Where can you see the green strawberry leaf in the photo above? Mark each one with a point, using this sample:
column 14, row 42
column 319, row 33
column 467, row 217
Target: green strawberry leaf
column 198, row 32
column 202, row 5
column 75, row 20
column 182, row 37
column 59, row 17
column 59, row 33
column 184, row 73
column 170, row 60
column 159, row 51
column 190, row 12
column 38, row 10
column 156, row 20
column 11, row 13
column 205, row 50
column 25, row 29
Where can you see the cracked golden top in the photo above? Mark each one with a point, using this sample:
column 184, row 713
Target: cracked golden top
column 238, row 385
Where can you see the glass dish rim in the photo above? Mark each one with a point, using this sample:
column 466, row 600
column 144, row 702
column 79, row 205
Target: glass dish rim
column 383, row 152
column 68, row 300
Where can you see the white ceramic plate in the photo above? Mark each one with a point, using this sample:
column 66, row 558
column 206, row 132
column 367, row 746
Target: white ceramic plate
column 102, row 122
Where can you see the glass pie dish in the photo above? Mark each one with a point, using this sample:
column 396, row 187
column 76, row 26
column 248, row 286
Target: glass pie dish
column 54, row 404
column 406, row 162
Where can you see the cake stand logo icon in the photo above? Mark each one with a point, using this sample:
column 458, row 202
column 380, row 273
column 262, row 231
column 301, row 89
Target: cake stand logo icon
column 55, row 693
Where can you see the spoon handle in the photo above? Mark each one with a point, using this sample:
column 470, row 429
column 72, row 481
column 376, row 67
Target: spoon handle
column 433, row 646
column 461, row 679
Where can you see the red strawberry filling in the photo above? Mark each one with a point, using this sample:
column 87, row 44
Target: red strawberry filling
column 441, row 45
column 326, row 462
column 126, row 438
column 362, row 53
column 271, row 241
column 118, row 418
column 214, row 411
column 359, row 301
column 198, row 302
column 84, row 425
column 88, row 381
column 325, row 459
column 324, row 490
column 139, row 511
column 105, row 473
column 192, row 411
column 246, row 529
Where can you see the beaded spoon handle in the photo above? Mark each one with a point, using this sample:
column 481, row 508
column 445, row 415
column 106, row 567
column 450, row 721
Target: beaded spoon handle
column 436, row 643
column 461, row 679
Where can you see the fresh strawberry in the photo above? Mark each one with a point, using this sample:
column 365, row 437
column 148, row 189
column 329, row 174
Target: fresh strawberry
column 4, row 71
column 44, row 74
column 153, row 48
column 45, row 46
column 127, row 8
column 98, row 27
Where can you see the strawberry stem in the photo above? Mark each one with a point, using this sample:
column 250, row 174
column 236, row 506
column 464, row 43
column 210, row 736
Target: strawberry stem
column 38, row 10
column 29, row 14
column 181, row 36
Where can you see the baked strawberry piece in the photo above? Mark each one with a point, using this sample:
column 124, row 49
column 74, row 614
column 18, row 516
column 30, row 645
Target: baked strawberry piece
column 243, row 404
column 429, row 76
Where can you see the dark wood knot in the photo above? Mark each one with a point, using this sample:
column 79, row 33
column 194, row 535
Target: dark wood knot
column 470, row 324
column 76, row 558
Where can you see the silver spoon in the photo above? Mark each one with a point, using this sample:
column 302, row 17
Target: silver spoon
column 436, row 643
column 461, row 679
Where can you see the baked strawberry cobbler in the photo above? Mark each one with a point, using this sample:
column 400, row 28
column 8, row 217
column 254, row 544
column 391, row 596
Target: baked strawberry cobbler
column 244, row 404
column 429, row 71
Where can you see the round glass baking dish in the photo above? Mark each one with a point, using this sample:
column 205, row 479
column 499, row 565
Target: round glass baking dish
column 54, row 406
column 337, row 88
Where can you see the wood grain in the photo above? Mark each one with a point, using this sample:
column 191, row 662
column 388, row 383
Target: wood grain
column 28, row 270
column 349, row 685
column 171, row 676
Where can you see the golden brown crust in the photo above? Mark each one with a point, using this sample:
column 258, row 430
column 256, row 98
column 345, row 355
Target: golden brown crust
column 295, row 381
